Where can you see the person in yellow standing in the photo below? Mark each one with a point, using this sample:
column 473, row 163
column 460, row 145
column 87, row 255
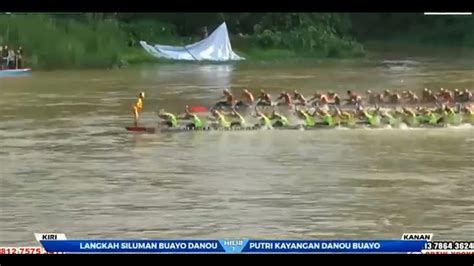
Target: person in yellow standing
column 137, row 107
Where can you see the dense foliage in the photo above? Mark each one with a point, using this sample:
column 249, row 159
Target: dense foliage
column 106, row 39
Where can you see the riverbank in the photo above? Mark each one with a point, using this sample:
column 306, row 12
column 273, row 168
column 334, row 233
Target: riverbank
column 70, row 42
column 137, row 55
column 101, row 40
column 415, row 49
column 252, row 53
column 372, row 49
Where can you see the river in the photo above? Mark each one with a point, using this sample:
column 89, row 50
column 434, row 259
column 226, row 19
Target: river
column 68, row 165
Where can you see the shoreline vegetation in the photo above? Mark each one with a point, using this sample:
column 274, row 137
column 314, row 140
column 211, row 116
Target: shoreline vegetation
column 106, row 40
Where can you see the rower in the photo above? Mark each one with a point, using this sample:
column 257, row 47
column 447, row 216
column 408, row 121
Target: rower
column 308, row 119
column 409, row 96
column 371, row 119
column 457, row 95
column 170, row 119
column 196, row 122
column 379, row 98
column 448, row 110
column 425, row 95
column 247, row 98
column 299, row 98
column 264, row 99
column 440, row 109
column 468, row 114
column 427, row 117
column 441, row 113
column 397, row 114
column 286, row 99
column 387, row 94
column 431, row 97
column 410, row 116
column 319, row 98
column 228, row 102
column 241, row 122
column 394, row 98
column 337, row 100
column 137, row 107
column 353, row 98
column 334, row 98
column 341, row 116
column 440, row 92
column 264, row 120
column 405, row 94
column 327, row 118
column 466, row 95
column 387, row 118
column 412, row 97
column 282, row 121
column 449, row 113
column 372, row 98
column 220, row 118
column 447, row 96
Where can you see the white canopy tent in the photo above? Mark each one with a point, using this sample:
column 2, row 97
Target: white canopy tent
column 216, row 47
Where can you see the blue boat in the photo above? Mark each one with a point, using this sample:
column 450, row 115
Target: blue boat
column 15, row 72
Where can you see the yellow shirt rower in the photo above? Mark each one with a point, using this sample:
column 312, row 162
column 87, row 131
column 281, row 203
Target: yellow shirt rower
column 221, row 120
column 170, row 119
column 241, row 122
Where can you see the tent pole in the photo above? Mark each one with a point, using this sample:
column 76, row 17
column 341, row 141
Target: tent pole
column 190, row 53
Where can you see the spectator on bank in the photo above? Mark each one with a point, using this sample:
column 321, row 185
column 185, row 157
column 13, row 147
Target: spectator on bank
column 5, row 57
column 205, row 34
column 11, row 59
column 19, row 58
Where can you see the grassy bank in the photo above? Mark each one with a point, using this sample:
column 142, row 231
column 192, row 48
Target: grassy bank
column 51, row 43
column 55, row 42
column 103, row 40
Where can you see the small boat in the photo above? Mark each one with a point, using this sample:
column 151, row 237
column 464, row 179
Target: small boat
column 15, row 72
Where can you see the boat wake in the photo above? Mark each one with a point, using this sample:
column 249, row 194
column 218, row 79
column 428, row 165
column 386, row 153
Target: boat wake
column 462, row 126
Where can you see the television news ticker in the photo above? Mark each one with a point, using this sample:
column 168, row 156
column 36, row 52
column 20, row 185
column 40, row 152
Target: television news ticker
column 413, row 243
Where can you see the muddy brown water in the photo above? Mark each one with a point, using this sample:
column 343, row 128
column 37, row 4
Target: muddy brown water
column 68, row 165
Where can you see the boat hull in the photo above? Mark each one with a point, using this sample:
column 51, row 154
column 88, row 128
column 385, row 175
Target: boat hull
column 15, row 72
column 316, row 127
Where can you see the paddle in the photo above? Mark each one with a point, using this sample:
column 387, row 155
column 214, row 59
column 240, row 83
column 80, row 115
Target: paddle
column 198, row 108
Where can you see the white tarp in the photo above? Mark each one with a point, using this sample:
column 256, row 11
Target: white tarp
column 216, row 47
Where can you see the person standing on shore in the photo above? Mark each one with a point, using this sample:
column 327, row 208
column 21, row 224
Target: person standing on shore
column 204, row 33
column 11, row 59
column 5, row 57
column 19, row 58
